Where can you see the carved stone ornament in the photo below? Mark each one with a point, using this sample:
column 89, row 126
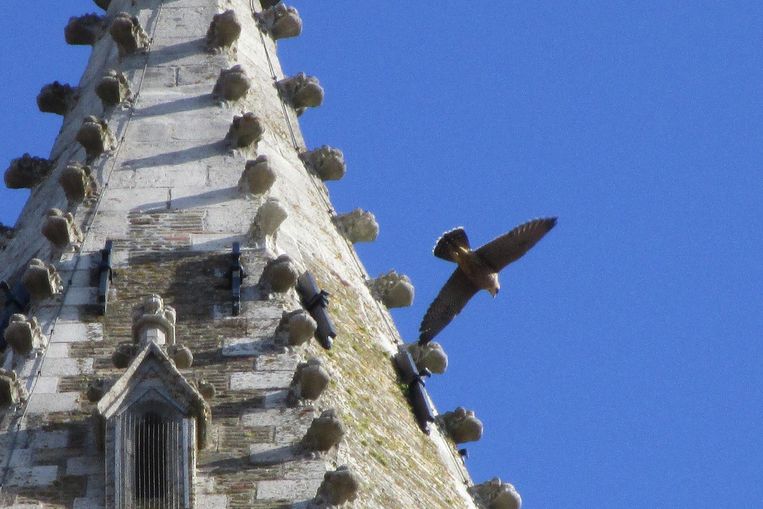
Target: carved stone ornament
column 58, row 98
column 11, row 390
column 338, row 487
column 324, row 433
column 258, row 176
column 392, row 289
column 281, row 21
column 327, row 162
column 113, row 88
column 94, row 135
column 430, row 356
column 181, row 355
column 357, row 226
column 41, row 280
column 6, row 234
column 279, row 275
column 309, row 382
column 123, row 354
column 232, row 84
column 496, row 494
column 26, row 172
column 269, row 217
column 128, row 34
column 298, row 327
column 301, row 91
column 60, row 229
column 245, row 130
column 462, row 425
column 153, row 321
column 77, row 182
column 224, row 30
column 23, row 335
column 85, row 30
column 97, row 388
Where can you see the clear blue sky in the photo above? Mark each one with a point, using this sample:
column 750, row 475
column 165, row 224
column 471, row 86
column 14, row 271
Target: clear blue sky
column 622, row 364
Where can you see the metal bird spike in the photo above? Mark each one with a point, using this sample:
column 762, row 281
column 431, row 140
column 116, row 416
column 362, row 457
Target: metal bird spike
column 477, row 269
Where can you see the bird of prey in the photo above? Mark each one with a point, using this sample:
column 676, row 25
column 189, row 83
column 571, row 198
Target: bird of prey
column 477, row 269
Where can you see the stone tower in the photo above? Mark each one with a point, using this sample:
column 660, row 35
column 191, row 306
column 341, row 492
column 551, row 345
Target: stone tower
column 185, row 322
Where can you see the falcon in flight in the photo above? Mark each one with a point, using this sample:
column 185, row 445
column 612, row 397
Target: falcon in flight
column 477, row 269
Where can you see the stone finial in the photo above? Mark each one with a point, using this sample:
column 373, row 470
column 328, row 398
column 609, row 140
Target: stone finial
column 232, row 84
column 279, row 274
column 77, row 182
column 269, row 217
column 6, row 234
column 324, row 433
column 357, row 226
column 153, row 321
column 298, row 327
column 11, row 390
column 338, row 486
column 281, row 21
column 84, row 30
column 41, row 280
column 26, row 172
column 94, row 135
column 113, row 88
column 392, row 289
column 462, row 425
column 309, row 382
column 128, row 34
column 327, row 162
column 301, row 91
column 258, row 176
column 22, row 334
column 430, row 357
column 123, row 354
column 224, row 30
column 60, row 229
column 206, row 389
column 97, row 388
column 58, row 98
column 496, row 494
column 245, row 130
column 181, row 355
column 103, row 4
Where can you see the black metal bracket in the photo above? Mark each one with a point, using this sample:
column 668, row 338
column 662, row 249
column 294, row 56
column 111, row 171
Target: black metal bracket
column 236, row 275
column 16, row 301
column 422, row 406
column 105, row 277
column 315, row 302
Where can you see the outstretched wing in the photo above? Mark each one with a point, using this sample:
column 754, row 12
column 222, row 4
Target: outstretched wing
column 511, row 246
column 449, row 302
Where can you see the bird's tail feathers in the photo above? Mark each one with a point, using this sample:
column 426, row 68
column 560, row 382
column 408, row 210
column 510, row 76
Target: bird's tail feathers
column 451, row 243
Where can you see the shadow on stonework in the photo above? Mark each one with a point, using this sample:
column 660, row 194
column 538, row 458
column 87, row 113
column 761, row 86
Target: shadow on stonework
column 200, row 200
column 179, row 157
column 177, row 106
column 174, row 52
column 234, row 409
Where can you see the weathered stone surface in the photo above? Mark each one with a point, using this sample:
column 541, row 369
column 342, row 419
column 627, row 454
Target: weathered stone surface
column 60, row 229
column 260, row 380
column 57, row 98
column 77, row 182
column 281, row 21
column 338, row 486
column 41, row 280
column 181, row 355
column 11, row 391
column 496, row 494
column 23, row 334
column 96, row 389
column 269, row 217
column 26, row 171
column 245, row 130
column 95, row 137
column 461, row 425
column 113, row 88
column 298, row 327
column 301, row 91
column 258, row 176
column 309, row 382
column 6, row 234
column 85, row 30
column 232, row 84
column 327, row 162
column 393, row 289
column 47, row 403
column 431, row 357
column 123, row 354
column 357, row 226
column 206, row 389
column 224, row 30
column 325, row 432
column 279, row 275
column 128, row 34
